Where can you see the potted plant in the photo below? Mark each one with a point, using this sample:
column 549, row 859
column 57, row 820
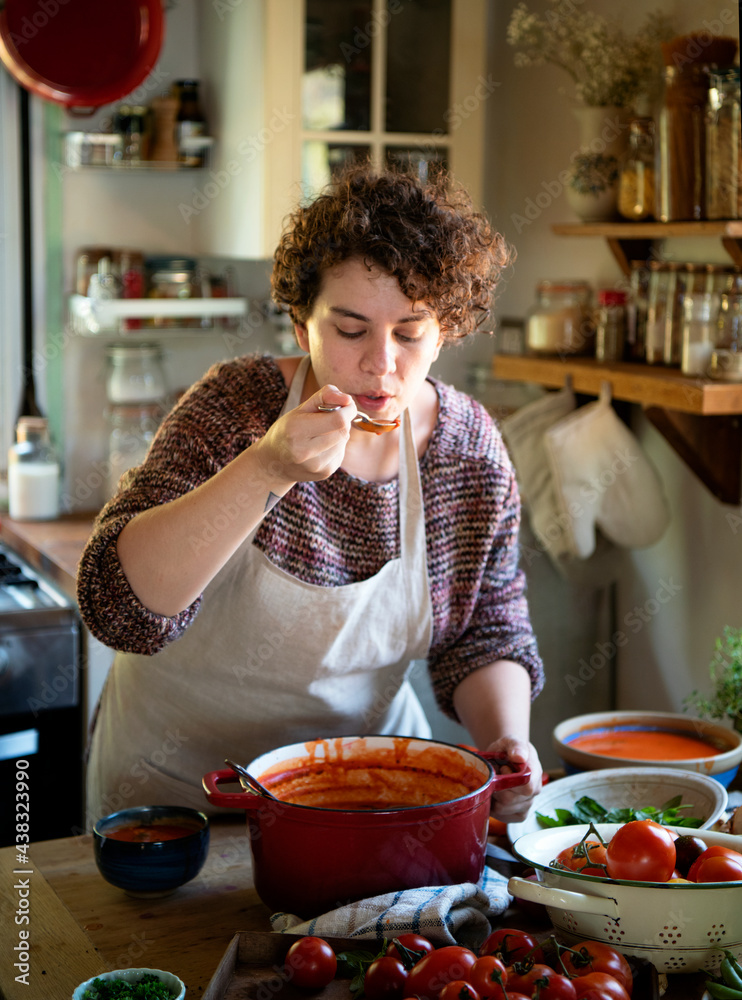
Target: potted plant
column 592, row 188
column 725, row 670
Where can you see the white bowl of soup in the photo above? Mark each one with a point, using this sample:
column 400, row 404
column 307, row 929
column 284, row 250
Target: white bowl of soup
column 659, row 739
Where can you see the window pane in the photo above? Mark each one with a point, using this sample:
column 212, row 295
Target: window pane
column 423, row 163
column 322, row 160
column 418, row 40
column 336, row 85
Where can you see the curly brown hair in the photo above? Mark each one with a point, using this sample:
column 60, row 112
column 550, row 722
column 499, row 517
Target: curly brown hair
column 428, row 236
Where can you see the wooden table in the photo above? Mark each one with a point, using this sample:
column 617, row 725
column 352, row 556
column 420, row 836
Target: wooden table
column 79, row 925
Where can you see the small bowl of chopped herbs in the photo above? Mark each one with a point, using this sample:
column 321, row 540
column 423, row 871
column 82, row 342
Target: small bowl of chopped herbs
column 131, row 984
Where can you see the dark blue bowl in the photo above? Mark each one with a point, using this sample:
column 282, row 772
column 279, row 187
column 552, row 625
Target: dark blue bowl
column 151, row 867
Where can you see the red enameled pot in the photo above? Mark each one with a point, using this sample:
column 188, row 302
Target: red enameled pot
column 358, row 816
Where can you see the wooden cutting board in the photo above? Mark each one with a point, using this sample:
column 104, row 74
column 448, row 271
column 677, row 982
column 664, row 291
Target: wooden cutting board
column 60, row 954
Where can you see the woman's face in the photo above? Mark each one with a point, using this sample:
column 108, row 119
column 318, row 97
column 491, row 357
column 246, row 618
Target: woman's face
column 368, row 339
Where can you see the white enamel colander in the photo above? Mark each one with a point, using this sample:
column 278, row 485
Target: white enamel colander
column 678, row 926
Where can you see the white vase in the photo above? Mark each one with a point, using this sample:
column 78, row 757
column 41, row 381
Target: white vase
column 592, row 187
column 602, row 130
column 597, row 207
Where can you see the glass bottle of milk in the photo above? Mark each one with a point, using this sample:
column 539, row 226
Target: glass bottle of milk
column 33, row 473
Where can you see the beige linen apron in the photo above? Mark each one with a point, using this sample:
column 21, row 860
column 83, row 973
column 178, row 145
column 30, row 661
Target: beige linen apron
column 269, row 660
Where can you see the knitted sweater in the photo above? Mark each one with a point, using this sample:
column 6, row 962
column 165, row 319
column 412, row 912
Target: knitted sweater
column 339, row 530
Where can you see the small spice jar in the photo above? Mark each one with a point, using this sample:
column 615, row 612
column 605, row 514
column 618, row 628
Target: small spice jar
column 559, row 322
column 723, row 146
column 135, row 374
column 636, row 179
column 610, row 327
column 33, row 472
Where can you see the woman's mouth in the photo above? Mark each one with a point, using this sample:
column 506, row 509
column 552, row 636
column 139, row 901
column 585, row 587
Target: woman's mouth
column 375, row 404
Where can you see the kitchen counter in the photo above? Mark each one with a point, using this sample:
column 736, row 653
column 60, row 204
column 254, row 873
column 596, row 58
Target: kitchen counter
column 80, row 925
column 51, row 547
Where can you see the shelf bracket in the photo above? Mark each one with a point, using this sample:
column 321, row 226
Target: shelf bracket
column 733, row 248
column 625, row 250
column 711, row 445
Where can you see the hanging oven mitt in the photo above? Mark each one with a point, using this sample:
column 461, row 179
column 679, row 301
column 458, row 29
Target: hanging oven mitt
column 602, row 478
column 524, row 433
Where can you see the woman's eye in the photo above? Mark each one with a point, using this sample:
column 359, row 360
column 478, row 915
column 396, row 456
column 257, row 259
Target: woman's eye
column 349, row 333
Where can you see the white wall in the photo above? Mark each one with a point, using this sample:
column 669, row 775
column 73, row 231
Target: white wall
column 532, row 135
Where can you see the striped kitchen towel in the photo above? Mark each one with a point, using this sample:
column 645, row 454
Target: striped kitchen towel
column 447, row 914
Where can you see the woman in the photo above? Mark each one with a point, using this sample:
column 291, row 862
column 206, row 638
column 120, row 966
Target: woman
column 272, row 569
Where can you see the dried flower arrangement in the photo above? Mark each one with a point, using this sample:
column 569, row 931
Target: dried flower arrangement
column 609, row 68
column 593, row 173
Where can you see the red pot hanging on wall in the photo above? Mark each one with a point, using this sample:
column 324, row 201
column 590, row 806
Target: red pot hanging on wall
column 80, row 53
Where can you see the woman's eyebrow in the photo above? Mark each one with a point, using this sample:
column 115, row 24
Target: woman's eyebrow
column 414, row 317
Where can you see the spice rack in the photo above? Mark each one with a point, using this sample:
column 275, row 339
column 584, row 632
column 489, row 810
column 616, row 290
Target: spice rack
column 93, row 317
column 700, row 419
column 102, row 151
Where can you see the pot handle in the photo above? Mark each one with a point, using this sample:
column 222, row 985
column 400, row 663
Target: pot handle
column 550, row 895
column 229, row 800
column 520, row 775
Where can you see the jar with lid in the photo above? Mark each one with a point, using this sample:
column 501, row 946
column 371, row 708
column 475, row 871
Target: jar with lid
column 657, row 308
column 636, row 178
column 559, row 322
column 172, row 278
column 726, row 357
column 610, row 328
column 723, row 146
column 700, row 311
column 132, row 429
column 33, row 472
column 135, row 374
column 191, row 124
column 681, row 146
column 636, row 311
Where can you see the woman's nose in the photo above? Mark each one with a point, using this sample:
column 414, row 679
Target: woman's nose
column 379, row 358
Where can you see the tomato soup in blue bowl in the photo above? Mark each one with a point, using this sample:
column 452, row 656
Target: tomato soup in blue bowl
column 659, row 739
column 150, row 851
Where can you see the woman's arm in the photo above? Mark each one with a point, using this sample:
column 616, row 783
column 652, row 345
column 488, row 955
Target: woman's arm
column 494, row 704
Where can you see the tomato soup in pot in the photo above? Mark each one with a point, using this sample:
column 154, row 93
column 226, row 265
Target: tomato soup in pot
column 644, row 744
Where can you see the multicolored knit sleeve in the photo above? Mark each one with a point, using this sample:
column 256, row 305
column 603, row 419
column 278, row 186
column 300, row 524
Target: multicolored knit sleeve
column 213, row 422
column 478, row 589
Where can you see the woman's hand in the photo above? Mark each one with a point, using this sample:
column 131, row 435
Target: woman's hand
column 307, row 443
column 511, row 804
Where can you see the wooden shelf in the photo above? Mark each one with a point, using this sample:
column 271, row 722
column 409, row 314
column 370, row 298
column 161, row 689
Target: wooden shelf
column 633, row 240
column 699, row 418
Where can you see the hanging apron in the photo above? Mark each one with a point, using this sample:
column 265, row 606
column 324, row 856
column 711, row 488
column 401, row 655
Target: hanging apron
column 269, row 660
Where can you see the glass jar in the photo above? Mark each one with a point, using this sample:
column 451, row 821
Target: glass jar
column 637, row 178
column 33, row 472
column 132, row 429
column 726, row 357
column 657, row 304
column 681, row 146
column 610, row 327
column 559, row 322
column 190, row 124
column 700, row 309
column 636, row 311
column 723, row 146
column 135, row 374
column 172, row 278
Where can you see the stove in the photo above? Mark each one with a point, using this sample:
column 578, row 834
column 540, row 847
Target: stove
column 41, row 710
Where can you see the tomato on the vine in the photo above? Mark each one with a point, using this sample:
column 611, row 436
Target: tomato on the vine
column 488, row 976
column 586, row 857
column 594, row 956
column 601, row 984
column 459, row 989
column 715, row 851
column 511, row 946
column 542, row 981
column 412, row 943
column 385, row 979
column 428, row 977
column 310, row 963
column 643, row 851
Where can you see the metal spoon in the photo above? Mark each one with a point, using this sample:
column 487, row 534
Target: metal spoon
column 364, row 422
column 252, row 783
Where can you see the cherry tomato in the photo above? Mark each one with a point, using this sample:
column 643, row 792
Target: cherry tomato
column 599, row 983
column 687, row 849
column 716, row 850
column 310, row 963
column 720, row 869
column 510, row 946
column 643, row 851
column 593, row 956
column 584, row 858
column 412, row 942
column 488, row 976
column 459, row 989
column 541, row 981
column 385, row 979
column 428, row 977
